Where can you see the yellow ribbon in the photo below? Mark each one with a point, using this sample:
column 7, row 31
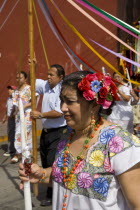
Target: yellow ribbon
column 46, row 57
column 89, row 46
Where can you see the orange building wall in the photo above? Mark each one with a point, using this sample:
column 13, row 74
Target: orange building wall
column 14, row 43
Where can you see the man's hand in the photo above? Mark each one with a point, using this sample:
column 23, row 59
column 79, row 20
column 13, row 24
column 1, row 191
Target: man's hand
column 36, row 115
column 4, row 120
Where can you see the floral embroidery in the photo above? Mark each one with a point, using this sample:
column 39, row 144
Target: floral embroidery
column 107, row 165
column 106, row 136
column 56, row 173
column 61, row 145
column 136, row 139
column 60, row 161
column 94, row 174
column 101, row 186
column 96, row 158
column 25, row 95
column 72, row 183
column 80, row 167
column 116, row 144
column 84, row 180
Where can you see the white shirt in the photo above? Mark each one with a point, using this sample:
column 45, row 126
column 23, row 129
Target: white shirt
column 9, row 106
column 94, row 184
column 51, row 101
column 122, row 109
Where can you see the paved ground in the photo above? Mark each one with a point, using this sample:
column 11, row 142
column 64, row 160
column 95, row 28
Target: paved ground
column 11, row 198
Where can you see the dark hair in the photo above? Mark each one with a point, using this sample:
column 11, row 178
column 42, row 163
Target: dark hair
column 72, row 80
column 24, row 73
column 60, row 69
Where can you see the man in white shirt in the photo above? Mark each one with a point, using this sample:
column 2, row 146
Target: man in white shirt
column 52, row 117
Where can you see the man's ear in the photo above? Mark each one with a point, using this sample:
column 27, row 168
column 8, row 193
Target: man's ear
column 61, row 77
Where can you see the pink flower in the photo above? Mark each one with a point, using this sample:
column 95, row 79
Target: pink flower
column 116, row 144
column 107, row 81
column 107, row 165
column 79, row 167
column 105, row 103
column 91, row 77
column 85, row 180
column 89, row 95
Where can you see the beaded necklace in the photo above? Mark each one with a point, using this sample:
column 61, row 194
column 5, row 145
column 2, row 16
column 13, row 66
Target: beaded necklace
column 67, row 173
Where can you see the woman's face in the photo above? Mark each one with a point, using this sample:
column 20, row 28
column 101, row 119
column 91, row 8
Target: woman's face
column 77, row 111
column 118, row 78
column 21, row 80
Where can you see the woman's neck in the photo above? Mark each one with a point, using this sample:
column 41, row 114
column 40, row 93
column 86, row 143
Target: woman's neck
column 22, row 86
column 87, row 130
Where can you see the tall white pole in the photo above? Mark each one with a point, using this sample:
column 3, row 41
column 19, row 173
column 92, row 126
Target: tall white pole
column 25, row 156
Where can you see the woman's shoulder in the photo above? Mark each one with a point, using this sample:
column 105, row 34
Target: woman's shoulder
column 117, row 139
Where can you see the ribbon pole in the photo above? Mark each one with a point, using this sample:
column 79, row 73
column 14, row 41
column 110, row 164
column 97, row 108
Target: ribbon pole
column 32, row 81
column 26, row 156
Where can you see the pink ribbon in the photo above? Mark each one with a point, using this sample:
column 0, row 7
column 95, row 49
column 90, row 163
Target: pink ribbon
column 106, row 18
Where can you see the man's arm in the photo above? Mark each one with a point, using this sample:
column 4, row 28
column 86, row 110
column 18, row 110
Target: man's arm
column 4, row 118
column 51, row 114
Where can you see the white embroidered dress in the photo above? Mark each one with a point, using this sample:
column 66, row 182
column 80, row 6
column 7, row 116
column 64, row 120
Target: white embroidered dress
column 94, row 185
column 25, row 95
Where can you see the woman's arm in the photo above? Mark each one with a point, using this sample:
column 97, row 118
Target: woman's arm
column 130, row 183
column 135, row 97
column 37, row 174
column 27, row 105
column 125, row 97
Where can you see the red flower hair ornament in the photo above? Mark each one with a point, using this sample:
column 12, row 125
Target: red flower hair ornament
column 99, row 87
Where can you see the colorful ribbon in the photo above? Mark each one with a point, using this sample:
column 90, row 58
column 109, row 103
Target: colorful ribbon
column 101, row 26
column 96, row 11
column 48, row 17
column 117, row 54
column 9, row 14
column 42, row 41
column 3, row 6
column 87, row 44
column 122, row 23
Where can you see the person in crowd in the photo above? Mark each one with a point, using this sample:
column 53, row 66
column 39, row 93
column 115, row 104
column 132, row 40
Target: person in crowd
column 122, row 113
column 54, row 124
column 24, row 92
column 97, row 166
column 136, row 108
column 10, row 118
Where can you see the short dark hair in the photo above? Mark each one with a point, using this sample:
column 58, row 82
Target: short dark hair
column 73, row 79
column 60, row 69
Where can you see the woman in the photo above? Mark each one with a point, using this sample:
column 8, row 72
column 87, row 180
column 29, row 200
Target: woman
column 122, row 113
column 24, row 91
column 98, row 166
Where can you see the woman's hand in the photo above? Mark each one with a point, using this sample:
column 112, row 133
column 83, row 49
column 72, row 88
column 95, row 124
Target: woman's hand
column 34, row 177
